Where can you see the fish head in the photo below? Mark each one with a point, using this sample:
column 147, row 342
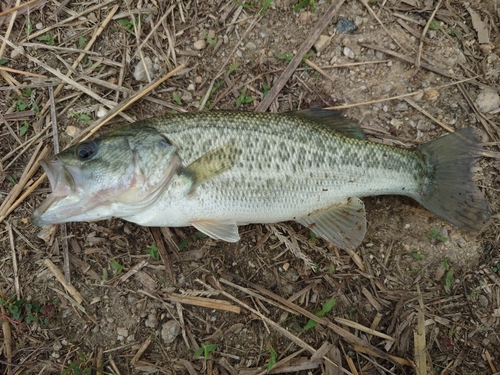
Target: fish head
column 118, row 175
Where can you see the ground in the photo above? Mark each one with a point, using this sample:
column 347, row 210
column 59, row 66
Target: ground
column 418, row 296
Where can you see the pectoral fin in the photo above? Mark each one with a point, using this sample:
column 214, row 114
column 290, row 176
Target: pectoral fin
column 343, row 224
column 211, row 164
column 225, row 230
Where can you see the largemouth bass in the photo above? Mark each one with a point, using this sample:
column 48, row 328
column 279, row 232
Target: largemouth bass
column 218, row 170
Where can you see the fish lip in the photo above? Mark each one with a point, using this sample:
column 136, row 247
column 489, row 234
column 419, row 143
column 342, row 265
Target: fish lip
column 62, row 181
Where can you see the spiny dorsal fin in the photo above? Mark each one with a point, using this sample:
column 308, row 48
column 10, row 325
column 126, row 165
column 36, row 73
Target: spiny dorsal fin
column 211, row 164
column 332, row 119
column 343, row 224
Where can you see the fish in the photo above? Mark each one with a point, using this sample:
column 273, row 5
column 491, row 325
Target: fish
column 216, row 170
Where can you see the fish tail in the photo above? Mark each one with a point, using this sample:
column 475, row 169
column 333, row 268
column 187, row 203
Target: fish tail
column 448, row 190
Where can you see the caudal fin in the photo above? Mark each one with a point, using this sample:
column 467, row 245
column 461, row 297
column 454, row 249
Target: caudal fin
column 449, row 191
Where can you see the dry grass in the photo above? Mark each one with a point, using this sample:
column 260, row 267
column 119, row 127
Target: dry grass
column 419, row 296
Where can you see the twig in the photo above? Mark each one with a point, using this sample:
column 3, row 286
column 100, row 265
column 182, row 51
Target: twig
column 156, row 233
column 124, row 105
column 427, row 25
column 14, row 260
column 69, row 19
column 9, row 28
column 410, row 60
column 29, row 74
column 423, row 111
column 402, row 95
column 17, row 7
column 82, row 53
column 210, row 303
column 297, row 59
column 370, row 10
column 60, row 277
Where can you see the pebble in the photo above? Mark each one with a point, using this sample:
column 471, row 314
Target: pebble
column 140, row 70
column 291, row 275
column 39, row 26
column 211, row 34
column 348, row 52
column 321, row 43
column 251, row 45
column 488, row 100
column 57, row 346
column 200, row 44
column 151, row 321
column 239, row 53
column 401, row 107
column 170, row 330
column 483, row 301
column 72, row 131
column 187, row 96
column 92, row 17
column 101, row 111
column 345, row 26
column 15, row 53
column 191, row 87
column 305, row 16
column 430, row 95
column 122, row 333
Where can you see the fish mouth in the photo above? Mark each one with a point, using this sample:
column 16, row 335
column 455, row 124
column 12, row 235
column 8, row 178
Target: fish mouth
column 64, row 182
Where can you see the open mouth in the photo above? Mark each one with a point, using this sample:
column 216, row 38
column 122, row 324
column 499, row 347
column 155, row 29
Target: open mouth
column 63, row 182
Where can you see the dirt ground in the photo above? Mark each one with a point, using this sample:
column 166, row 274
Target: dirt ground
column 420, row 296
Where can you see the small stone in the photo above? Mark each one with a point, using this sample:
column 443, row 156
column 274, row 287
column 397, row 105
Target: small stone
column 122, row 331
column 57, row 346
column 396, row 123
column 198, row 80
column 200, row 44
column 305, row 16
column 19, row 51
column 170, row 330
column 39, row 26
column 401, row 107
column 488, row 100
column 140, row 70
column 431, row 95
column 226, row 39
column 358, row 21
column 187, row 96
column 321, row 43
column 191, row 87
column 251, row 45
column 211, row 34
column 151, row 321
column 239, row 53
column 92, row 17
column 291, row 275
column 72, row 131
column 348, row 53
column 100, row 112
column 483, row 301
column 485, row 49
column 345, row 26
column 439, row 272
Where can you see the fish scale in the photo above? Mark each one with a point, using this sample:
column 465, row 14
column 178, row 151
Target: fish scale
column 218, row 170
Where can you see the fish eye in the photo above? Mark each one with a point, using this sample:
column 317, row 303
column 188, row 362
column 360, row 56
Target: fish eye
column 86, row 150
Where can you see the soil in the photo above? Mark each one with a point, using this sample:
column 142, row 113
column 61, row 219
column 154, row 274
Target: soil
column 432, row 287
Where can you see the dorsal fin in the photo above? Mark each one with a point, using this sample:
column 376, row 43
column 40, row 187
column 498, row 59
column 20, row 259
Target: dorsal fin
column 332, row 119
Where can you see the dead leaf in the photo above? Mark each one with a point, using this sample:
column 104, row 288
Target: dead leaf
column 480, row 26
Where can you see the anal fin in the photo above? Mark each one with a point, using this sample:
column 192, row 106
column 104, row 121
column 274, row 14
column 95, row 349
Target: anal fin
column 225, row 230
column 343, row 224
